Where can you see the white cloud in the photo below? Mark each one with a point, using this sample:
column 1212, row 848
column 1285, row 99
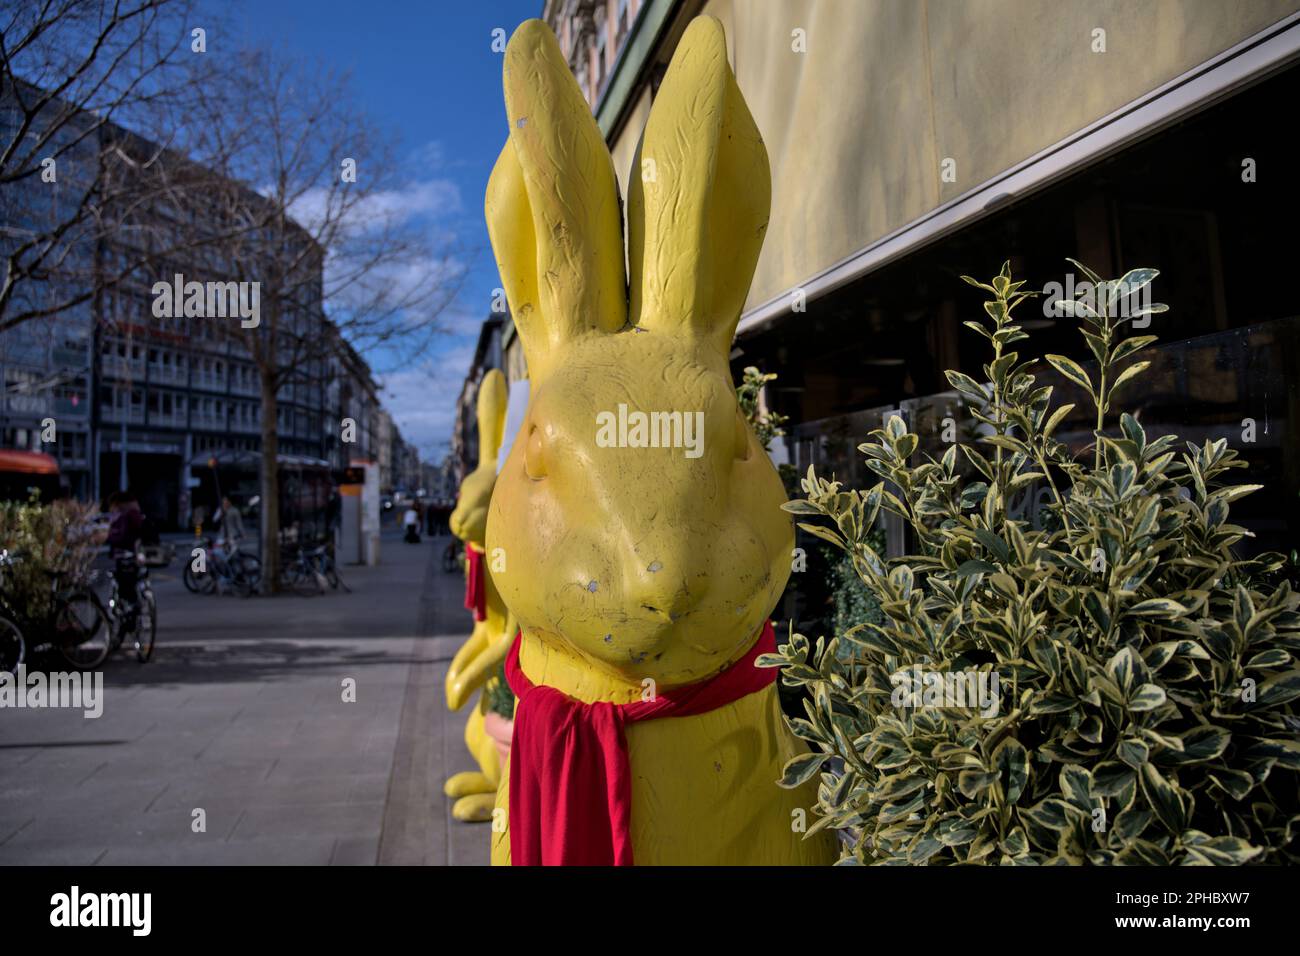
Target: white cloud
column 393, row 208
column 422, row 400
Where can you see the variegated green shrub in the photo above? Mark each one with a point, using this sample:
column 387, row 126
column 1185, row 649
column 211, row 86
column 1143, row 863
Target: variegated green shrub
column 1145, row 676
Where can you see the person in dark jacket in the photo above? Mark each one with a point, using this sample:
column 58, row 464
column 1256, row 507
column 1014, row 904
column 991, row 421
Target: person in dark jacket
column 127, row 521
column 124, row 531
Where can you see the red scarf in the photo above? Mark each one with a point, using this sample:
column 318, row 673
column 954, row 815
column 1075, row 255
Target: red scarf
column 570, row 780
column 475, row 583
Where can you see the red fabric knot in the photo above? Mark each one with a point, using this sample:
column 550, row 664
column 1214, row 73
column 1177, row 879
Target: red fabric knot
column 476, row 583
column 570, row 777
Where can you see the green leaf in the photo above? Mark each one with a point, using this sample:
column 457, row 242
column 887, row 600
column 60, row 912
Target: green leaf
column 1200, row 744
column 1154, row 308
column 1012, row 760
column 1076, row 786
column 825, row 534
column 1015, row 844
column 1124, row 667
column 800, row 769
column 1096, row 608
column 1051, row 813
column 1092, row 276
column 1142, row 853
column 899, row 786
column 1131, row 345
column 1129, row 283
column 1163, row 798
column 1130, row 823
column 1111, row 778
column 979, row 285
column 1269, row 659
column 955, row 832
column 1058, row 416
column 1074, row 308
column 1134, row 752
column 1279, row 689
column 1071, row 370
column 1157, row 607
column 993, row 543
column 973, row 782
column 1147, row 697
column 1137, row 368
column 1224, row 851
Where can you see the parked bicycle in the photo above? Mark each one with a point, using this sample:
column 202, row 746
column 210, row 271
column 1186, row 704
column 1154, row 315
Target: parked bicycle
column 222, row 569
column 72, row 623
column 302, row 573
column 322, row 559
column 132, row 607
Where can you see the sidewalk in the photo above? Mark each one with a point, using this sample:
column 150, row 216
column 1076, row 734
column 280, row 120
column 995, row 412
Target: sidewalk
column 241, row 715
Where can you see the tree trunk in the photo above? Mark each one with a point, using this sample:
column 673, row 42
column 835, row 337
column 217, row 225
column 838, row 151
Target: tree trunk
column 270, row 524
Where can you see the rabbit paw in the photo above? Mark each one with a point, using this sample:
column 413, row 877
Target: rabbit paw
column 475, row 808
column 468, row 783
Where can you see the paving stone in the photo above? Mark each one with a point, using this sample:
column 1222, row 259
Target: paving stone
column 241, row 713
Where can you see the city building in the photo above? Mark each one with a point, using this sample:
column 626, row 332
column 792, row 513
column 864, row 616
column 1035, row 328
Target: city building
column 490, row 351
column 171, row 404
column 592, row 34
column 353, row 399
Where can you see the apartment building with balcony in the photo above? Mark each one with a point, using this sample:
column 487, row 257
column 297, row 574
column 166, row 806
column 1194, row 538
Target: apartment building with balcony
column 175, row 393
column 592, row 34
column 169, row 406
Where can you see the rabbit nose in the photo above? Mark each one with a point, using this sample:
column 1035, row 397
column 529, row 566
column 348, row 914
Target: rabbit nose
column 665, row 591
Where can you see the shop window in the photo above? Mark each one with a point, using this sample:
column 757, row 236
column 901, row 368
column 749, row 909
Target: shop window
column 1176, row 201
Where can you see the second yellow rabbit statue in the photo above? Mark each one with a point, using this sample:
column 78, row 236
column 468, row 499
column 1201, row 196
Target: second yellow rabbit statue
column 478, row 658
column 642, row 520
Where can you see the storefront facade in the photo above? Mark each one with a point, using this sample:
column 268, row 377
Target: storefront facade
column 913, row 142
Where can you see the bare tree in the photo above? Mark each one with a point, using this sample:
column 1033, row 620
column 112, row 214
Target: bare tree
column 70, row 70
column 308, row 201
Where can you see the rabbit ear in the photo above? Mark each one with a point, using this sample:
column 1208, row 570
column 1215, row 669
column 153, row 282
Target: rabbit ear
column 699, row 197
column 552, row 205
column 491, row 416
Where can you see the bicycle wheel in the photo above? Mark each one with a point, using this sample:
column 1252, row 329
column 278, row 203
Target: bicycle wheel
column 146, row 626
column 305, row 581
column 336, row 580
column 250, row 568
column 200, row 582
column 83, row 633
column 13, row 649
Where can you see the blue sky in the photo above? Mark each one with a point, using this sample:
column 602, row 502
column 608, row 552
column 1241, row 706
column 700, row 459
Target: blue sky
column 425, row 71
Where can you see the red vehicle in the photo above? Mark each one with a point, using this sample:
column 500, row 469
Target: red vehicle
column 23, row 473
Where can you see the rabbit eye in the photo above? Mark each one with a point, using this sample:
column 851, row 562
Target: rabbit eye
column 534, row 455
column 743, row 449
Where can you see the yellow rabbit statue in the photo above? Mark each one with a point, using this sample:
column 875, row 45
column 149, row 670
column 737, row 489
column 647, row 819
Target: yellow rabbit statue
column 479, row 657
column 642, row 520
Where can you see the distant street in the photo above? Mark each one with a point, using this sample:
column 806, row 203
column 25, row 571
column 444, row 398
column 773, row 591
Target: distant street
column 241, row 715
